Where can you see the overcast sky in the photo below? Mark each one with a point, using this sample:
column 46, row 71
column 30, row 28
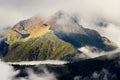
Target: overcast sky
column 90, row 11
column 12, row 11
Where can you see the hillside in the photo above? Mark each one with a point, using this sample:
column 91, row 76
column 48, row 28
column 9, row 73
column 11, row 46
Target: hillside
column 41, row 48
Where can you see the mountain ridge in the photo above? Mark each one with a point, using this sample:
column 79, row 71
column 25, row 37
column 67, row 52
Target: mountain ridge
column 62, row 32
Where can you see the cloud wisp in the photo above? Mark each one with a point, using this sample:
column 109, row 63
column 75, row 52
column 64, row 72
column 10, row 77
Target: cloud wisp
column 93, row 52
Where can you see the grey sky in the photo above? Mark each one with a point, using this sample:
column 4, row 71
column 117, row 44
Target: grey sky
column 12, row 11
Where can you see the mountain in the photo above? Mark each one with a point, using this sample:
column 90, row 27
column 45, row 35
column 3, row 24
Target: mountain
column 67, row 28
column 61, row 35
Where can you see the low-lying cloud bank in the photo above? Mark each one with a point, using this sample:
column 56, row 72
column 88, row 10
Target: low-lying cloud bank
column 8, row 73
column 52, row 62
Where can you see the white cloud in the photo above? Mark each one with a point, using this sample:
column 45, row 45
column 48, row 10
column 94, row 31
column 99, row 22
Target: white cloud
column 108, row 9
column 44, row 76
column 93, row 52
column 7, row 72
column 52, row 62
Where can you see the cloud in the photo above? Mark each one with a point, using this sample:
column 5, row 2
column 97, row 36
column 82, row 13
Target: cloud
column 93, row 52
column 52, row 62
column 112, row 32
column 108, row 9
column 109, row 30
column 7, row 72
column 44, row 76
column 104, row 74
column 90, row 51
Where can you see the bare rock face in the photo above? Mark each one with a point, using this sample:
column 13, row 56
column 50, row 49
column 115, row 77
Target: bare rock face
column 29, row 24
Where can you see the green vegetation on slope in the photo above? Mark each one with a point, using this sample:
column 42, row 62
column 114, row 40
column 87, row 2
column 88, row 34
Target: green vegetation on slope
column 45, row 47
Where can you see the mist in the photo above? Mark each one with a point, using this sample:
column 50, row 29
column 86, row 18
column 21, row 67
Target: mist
column 52, row 62
column 93, row 52
column 7, row 72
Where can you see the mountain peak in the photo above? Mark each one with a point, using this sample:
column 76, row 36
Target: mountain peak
column 43, row 40
column 64, row 22
column 60, row 14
